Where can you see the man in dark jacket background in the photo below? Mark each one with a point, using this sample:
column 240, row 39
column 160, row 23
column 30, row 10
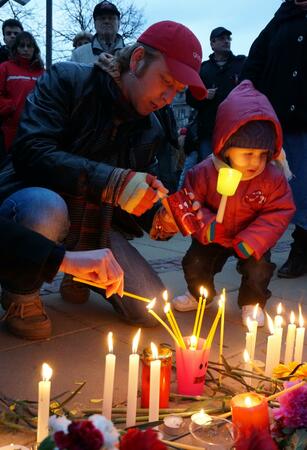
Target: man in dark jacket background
column 220, row 73
column 277, row 65
column 90, row 135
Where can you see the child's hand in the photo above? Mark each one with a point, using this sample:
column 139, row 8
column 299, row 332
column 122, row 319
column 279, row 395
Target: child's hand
column 215, row 232
column 163, row 226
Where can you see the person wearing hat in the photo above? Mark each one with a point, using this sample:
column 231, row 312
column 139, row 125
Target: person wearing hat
column 220, row 73
column 247, row 137
column 107, row 39
column 277, row 65
column 90, row 135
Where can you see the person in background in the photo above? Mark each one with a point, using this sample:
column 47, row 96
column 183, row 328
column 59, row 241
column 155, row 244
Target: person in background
column 277, row 65
column 247, row 137
column 17, row 78
column 106, row 40
column 10, row 29
column 220, row 73
column 82, row 38
column 89, row 134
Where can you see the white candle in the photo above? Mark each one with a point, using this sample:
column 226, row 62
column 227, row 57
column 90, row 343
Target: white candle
column 201, row 418
column 299, row 340
column 133, row 377
column 278, row 318
column 109, row 379
column 253, row 329
column 249, row 340
column 247, row 366
column 272, row 352
column 290, row 339
column 43, row 403
column 154, row 387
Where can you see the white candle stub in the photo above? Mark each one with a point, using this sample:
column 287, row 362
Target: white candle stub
column 201, row 418
column 173, row 421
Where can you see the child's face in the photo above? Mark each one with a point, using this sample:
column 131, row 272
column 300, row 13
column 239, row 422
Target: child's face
column 249, row 161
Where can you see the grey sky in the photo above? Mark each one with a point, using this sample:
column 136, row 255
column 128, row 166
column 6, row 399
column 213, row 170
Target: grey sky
column 245, row 18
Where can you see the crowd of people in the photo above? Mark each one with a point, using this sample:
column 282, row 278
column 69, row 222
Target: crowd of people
column 88, row 150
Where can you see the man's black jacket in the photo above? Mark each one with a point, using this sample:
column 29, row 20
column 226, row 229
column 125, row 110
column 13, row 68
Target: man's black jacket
column 224, row 78
column 277, row 65
column 76, row 127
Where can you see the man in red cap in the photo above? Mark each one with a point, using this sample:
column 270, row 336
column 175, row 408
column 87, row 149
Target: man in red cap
column 90, row 135
column 107, row 39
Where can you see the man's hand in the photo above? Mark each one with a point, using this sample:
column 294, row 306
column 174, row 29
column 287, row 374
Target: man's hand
column 140, row 192
column 98, row 266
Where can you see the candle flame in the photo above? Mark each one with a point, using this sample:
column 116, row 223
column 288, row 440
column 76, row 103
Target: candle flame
column 135, row 342
column 255, row 312
column 221, row 300
column 279, row 308
column 151, row 305
column 154, row 351
column 248, row 402
column 301, row 318
column 167, row 308
column 201, row 291
column 246, row 356
column 165, row 295
column 110, row 341
column 46, row 372
column 292, row 318
column 193, row 342
column 249, row 324
column 205, row 293
column 201, row 411
column 270, row 324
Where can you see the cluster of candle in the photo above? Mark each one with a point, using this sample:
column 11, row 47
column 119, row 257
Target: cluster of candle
column 293, row 346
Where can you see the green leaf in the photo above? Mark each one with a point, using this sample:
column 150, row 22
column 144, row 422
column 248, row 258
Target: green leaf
column 302, row 439
column 47, row 444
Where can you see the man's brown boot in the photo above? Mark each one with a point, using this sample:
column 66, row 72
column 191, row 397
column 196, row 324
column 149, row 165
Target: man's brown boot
column 73, row 291
column 25, row 316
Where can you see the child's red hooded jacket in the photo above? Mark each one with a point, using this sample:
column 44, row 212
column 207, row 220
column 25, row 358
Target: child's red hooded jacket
column 17, row 80
column 261, row 209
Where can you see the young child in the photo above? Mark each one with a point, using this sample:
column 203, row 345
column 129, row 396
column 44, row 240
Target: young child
column 247, row 137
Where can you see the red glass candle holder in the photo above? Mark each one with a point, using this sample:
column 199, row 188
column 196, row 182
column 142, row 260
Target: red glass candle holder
column 250, row 414
column 180, row 207
column 191, row 368
column 165, row 355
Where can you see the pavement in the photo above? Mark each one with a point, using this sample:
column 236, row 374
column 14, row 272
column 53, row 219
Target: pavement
column 77, row 347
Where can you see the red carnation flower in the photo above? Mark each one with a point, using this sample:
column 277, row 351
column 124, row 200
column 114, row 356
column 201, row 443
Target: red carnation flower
column 136, row 439
column 81, row 436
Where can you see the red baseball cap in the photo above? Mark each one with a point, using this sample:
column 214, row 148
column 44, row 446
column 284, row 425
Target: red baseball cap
column 181, row 50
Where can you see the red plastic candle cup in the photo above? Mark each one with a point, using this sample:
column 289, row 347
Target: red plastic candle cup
column 191, row 366
column 180, row 207
column 165, row 355
column 250, row 414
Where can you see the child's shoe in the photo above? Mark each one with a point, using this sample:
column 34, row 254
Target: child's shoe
column 248, row 310
column 185, row 302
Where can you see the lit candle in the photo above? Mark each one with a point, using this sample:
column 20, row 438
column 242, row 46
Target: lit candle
column 133, row 377
column 299, row 340
column 201, row 418
column 254, row 329
column 43, row 403
column 278, row 321
column 249, row 339
column 109, row 379
column 290, row 339
column 154, row 389
column 247, row 366
column 250, row 414
column 204, row 295
column 208, row 341
column 150, row 307
column 172, row 321
column 223, row 298
column 193, row 342
column 200, row 300
column 227, row 183
column 273, row 349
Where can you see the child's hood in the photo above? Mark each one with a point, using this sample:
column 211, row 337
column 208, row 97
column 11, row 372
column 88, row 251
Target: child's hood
column 243, row 104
